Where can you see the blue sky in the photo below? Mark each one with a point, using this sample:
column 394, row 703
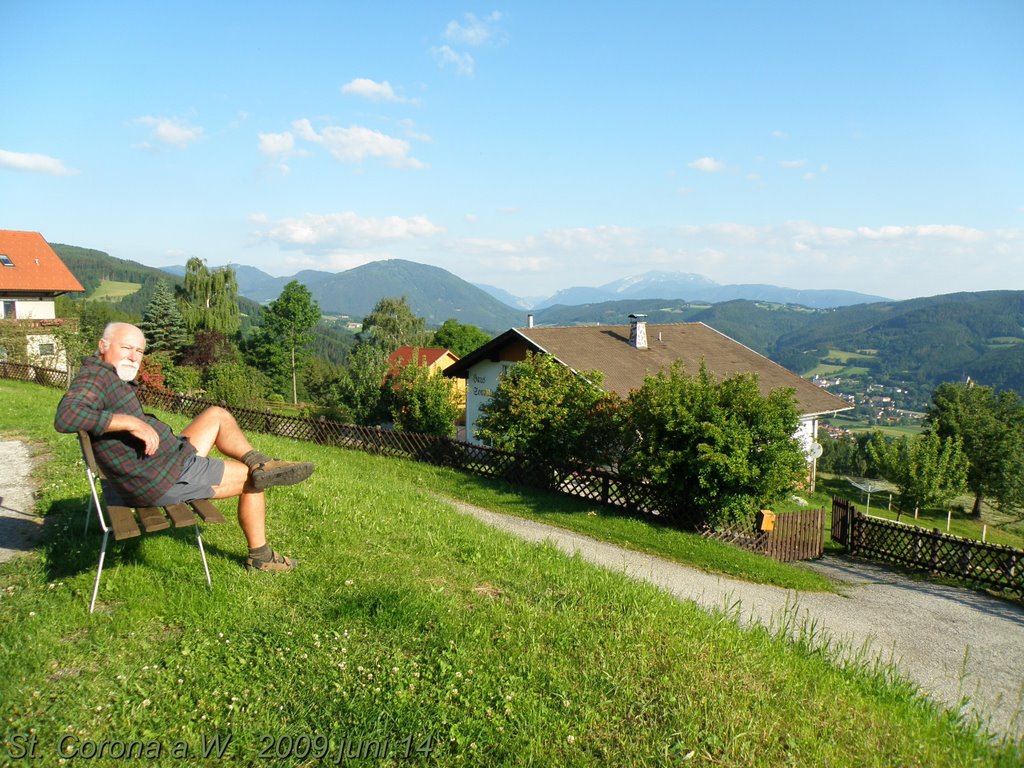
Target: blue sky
column 871, row 146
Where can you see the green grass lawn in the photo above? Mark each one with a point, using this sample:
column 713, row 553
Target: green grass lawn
column 408, row 629
column 112, row 290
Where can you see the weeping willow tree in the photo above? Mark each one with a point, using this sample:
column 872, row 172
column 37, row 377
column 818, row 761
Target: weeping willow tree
column 209, row 300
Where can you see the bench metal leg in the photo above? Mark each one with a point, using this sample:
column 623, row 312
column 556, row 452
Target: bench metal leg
column 99, row 571
column 202, row 554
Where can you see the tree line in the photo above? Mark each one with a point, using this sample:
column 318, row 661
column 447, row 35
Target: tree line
column 726, row 449
column 198, row 342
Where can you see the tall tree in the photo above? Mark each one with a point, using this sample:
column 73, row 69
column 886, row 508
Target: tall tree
column 287, row 322
column 163, row 324
column 360, row 388
column 391, row 324
column 460, row 338
column 991, row 426
column 210, row 298
column 544, row 409
column 927, row 470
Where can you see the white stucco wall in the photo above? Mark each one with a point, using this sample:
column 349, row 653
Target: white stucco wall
column 32, row 309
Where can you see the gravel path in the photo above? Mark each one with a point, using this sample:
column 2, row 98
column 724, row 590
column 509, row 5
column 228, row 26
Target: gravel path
column 951, row 642
column 19, row 525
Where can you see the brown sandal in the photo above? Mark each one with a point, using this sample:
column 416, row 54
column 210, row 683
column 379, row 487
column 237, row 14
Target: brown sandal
column 276, row 563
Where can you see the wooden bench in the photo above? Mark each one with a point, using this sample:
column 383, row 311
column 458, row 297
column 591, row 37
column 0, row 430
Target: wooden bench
column 130, row 522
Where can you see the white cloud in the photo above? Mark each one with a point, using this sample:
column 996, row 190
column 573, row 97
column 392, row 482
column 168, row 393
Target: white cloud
column 793, row 163
column 899, row 261
column 30, row 163
column 372, row 90
column 463, row 62
column 356, row 143
column 171, row 131
column 780, row 135
column 708, row 165
column 344, row 231
column 277, row 143
column 279, row 147
column 413, row 133
column 474, row 32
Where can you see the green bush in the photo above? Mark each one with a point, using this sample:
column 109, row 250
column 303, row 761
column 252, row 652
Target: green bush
column 721, row 447
column 237, row 384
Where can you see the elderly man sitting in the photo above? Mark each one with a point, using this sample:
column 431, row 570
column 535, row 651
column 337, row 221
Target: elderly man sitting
column 149, row 466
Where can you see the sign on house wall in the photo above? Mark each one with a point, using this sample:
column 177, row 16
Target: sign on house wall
column 480, row 385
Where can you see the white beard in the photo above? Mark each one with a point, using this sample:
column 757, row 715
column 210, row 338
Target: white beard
column 127, row 370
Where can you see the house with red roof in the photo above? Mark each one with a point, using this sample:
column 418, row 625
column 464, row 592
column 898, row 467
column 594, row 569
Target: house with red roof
column 434, row 359
column 32, row 275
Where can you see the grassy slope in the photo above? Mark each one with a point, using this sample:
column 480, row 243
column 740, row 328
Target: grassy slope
column 407, row 619
column 111, row 290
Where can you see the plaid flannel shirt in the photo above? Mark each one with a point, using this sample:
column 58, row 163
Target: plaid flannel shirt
column 94, row 397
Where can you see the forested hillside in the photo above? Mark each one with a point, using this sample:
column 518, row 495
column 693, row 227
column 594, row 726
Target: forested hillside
column 433, row 293
column 92, row 267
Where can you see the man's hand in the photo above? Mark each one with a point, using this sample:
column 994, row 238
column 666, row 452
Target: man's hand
column 122, row 422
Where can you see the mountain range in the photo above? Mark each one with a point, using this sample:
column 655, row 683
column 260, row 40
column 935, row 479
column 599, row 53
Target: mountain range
column 696, row 288
column 917, row 341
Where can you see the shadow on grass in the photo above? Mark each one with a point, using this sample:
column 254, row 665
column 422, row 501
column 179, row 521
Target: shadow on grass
column 548, row 503
column 70, row 549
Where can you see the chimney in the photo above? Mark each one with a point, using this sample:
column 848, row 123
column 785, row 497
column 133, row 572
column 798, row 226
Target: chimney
column 638, row 331
column 529, row 321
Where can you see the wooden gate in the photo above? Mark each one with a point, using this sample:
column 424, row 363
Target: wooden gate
column 796, row 536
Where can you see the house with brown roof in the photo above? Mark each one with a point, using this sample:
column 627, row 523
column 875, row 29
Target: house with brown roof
column 627, row 354
column 31, row 277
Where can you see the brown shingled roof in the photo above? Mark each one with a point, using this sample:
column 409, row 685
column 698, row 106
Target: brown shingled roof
column 606, row 348
column 36, row 268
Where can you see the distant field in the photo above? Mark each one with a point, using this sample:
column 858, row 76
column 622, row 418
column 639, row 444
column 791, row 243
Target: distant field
column 841, row 356
column 825, row 369
column 861, row 425
column 111, row 290
column 1001, row 342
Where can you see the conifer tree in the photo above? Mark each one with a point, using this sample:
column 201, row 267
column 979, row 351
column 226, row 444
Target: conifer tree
column 162, row 322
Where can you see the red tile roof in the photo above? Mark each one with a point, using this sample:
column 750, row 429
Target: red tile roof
column 36, row 267
column 427, row 355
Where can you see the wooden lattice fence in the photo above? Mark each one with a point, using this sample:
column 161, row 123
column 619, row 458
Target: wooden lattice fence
column 24, row 372
column 973, row 562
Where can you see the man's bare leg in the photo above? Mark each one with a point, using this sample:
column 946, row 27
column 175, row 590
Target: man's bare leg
column 252, row 505
column 216, row 428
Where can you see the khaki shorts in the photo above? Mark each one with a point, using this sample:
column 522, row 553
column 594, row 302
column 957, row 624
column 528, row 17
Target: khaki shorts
column 196, row 482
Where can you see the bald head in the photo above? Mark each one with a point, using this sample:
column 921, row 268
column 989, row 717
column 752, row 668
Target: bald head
column 122, row 346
